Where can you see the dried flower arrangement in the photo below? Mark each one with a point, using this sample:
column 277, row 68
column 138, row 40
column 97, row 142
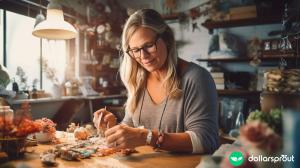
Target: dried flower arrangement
column 15, row 128
column 18, row 126
column 259, row 139
column 50, row 72
column 259, row 135
column 273, row 119
column 22, row 78
column 46, row 125
column 47, row 131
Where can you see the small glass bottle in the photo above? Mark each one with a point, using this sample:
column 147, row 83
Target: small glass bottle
column 240, row 121
column 267, row 45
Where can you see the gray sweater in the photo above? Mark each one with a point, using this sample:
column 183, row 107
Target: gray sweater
column 195, row 110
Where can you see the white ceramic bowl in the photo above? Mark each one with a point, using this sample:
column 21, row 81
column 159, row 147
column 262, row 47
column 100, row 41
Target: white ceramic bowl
column 43, row 137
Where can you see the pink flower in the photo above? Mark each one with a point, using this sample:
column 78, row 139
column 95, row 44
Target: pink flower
column 257, row 134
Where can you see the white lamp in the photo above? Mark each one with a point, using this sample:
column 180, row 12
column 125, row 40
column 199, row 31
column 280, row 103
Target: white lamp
column 54, row 27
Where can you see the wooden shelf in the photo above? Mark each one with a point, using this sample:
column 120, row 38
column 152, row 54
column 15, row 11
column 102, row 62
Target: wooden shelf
column 210, row 25
column 172, row 16
column 108, row 71
column 246, row 59
column 278, row 53
column 237, row 92
column 105, row 74
column 280, row 94
column 224, row 59
column 105, row 69
column 106, row 50
column 110, row 87
column 278, row 57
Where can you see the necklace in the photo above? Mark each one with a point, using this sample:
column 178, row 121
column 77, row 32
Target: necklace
column 159, row 128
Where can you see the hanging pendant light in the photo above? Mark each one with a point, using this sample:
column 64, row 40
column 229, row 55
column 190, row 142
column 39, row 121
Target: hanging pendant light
column 54, row 27
column 39, row 18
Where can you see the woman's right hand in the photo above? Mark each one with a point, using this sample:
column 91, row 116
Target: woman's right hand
column 104, row 119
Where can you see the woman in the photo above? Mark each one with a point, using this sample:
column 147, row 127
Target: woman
column 172, row 104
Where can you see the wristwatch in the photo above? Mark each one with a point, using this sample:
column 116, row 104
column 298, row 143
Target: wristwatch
column 149, row 137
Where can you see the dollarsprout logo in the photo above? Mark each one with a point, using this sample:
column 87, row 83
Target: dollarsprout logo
column 236, row 158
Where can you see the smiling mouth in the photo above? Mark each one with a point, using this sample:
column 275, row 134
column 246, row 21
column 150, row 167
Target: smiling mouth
column 148, row 62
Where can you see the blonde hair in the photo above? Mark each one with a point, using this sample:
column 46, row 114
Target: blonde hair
column 134, row 75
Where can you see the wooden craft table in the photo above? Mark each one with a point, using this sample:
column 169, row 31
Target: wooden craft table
column 145, row 157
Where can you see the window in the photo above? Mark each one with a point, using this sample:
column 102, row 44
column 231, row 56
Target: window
column 23, row 49
column 54, row 51
column 1, row 37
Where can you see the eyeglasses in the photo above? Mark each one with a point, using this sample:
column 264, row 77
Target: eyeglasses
column 148, row 48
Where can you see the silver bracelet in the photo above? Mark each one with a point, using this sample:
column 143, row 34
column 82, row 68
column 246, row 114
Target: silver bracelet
column 149, row 137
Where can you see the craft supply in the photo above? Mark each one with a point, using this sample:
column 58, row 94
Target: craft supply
column 48, row 159
column 71, row 128
column 74, row 150
column 100, row 132
column 283, row 81
column 81, row 133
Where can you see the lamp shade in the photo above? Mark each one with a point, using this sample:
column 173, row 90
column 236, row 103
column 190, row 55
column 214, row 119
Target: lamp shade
column 55, row 27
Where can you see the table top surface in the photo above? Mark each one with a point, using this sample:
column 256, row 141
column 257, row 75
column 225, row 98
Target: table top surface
column 145, row 157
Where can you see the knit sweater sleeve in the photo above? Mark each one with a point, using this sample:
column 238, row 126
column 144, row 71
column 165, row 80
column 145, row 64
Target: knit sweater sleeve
column 200, row 108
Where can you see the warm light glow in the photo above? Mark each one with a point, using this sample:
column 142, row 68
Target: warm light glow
column 54, row 27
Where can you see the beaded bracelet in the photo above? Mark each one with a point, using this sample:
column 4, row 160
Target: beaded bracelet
column 159, row 141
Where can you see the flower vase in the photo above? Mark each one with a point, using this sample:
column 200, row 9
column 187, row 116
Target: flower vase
column 56, row 91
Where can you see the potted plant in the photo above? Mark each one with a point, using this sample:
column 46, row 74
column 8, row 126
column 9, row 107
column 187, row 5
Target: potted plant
column 262, row 135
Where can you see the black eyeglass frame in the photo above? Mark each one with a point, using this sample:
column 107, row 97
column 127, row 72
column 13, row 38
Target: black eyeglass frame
column 144, row 48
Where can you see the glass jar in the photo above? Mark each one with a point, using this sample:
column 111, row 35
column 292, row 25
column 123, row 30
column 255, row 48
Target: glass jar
column 267, row 45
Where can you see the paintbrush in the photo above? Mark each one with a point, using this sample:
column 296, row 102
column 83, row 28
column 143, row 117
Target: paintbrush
column 99, row 130
column 107, row 125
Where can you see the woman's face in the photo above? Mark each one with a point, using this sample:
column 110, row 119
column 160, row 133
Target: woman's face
column 148, row 49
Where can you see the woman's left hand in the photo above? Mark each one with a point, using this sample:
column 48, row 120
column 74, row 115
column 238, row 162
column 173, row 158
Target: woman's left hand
column 123, row 136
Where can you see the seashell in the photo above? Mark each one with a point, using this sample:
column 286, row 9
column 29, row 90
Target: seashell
column 71, row 128
column 81, row 133
column 69, row 155
column 90, row 129
column 48, row 159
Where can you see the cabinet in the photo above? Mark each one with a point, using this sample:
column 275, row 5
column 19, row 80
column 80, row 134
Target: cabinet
column 100, row 63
